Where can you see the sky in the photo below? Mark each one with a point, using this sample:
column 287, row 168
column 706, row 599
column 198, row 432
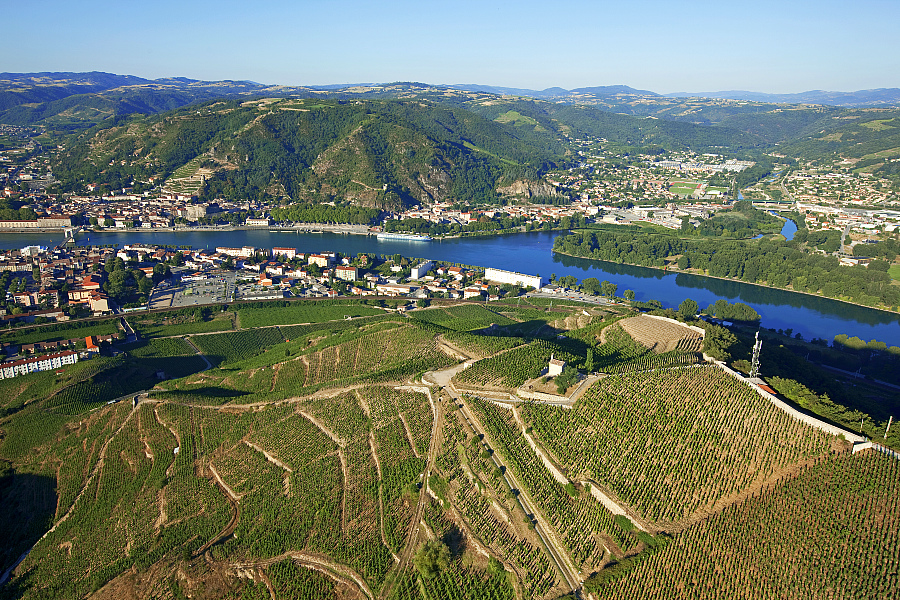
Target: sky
column 690, row 46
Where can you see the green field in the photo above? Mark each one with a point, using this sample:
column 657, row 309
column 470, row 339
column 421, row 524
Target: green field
column 684, row 187
column 894, row 272
column 516, row 118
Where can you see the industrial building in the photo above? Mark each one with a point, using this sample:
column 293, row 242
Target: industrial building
column 520, row 279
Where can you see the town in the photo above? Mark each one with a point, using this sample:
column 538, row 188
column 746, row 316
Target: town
column 669, row 190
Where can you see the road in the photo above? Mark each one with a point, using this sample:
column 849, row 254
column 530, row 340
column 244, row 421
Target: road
column 542, row 528
column 844, row 237
column 412, row 542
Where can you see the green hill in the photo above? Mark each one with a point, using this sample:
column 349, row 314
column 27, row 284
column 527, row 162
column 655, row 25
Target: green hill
column 382, row 154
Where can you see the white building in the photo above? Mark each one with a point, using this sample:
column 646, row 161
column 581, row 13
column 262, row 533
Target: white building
column 555, row 367
column 346, row 273
column 41, row 363
column 420, row 270
column 287, row 253
column 520, row 279
column 244, row 252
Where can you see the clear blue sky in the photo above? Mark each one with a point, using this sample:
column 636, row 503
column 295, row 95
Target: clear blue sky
column 766, row 46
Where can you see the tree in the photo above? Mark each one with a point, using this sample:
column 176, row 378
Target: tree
column 628, row 295
column 569, row 281
column 608, row 289
column 717, row 342
column 114, row 263
column 145, row 285
column 591, row 285
column 566, row 379
column 161, row 271
column 116, row 285
column 688, row 309
column 432, row 558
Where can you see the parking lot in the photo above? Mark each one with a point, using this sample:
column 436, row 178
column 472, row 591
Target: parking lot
column 571, row 295
column 215, row 289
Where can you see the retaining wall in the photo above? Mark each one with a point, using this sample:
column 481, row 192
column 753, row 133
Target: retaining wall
column 859, row 447
column 802, row 417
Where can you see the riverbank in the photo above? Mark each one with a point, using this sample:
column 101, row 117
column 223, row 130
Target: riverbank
column 676, row 271
column 814, row 316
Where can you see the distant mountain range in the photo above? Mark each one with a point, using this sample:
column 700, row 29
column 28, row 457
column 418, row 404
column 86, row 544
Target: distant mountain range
column 876, row 97
column 554, row 92
column 880, row 96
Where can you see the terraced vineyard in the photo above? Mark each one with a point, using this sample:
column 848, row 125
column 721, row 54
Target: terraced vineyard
column 674, row 442
column 324, row 460
column 582, row 522
column 303, row 312
column 477, row 492
column 225, row 348
column 511, row 369
column 831, row 532
column 462, row 318
column 159, row 347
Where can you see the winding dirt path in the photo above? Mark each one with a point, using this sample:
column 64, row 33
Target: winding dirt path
column 324, row 564
column 416, row 531
column 549, row 463
column 409, row 437
column 233, row 499
column 269, row 457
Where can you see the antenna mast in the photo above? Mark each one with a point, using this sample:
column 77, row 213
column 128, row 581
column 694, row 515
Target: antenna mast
column 754, row 368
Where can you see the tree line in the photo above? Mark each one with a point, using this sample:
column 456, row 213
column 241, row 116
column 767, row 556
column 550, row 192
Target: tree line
column 780, row 264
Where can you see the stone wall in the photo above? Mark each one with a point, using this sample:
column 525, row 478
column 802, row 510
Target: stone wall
column 802, row 417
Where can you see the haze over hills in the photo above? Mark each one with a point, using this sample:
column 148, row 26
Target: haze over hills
column 553, row 92
column 876, row 97
column 29, row 88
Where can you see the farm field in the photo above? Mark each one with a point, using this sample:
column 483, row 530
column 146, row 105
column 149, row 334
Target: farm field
column 319, row 457
column 661, row 336
column 183, row 322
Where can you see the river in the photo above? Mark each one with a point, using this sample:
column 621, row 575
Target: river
column 531, row 253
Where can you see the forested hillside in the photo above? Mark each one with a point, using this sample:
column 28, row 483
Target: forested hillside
column 382, row 154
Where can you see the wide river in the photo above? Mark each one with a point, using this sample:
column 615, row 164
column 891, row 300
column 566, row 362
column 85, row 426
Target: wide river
column 531, row 253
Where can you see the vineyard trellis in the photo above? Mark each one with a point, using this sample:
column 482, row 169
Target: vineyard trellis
column 652, row 436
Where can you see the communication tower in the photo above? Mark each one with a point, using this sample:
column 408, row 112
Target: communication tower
column 754, row 368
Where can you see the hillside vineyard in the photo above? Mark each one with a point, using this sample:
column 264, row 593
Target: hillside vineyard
column 294, row 453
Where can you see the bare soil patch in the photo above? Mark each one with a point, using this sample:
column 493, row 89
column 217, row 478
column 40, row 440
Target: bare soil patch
column 661, row 336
